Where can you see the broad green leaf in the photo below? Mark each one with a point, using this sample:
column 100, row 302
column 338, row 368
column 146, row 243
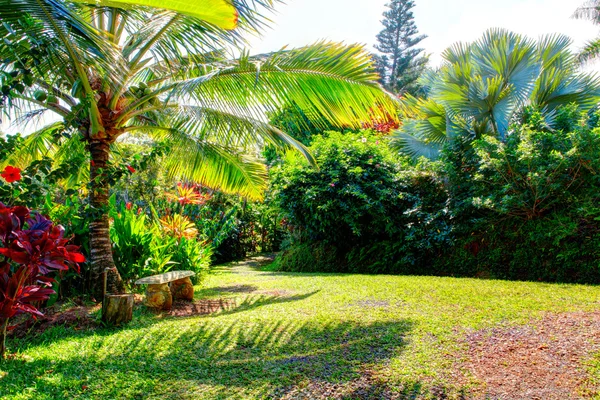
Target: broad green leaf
column 221, row 13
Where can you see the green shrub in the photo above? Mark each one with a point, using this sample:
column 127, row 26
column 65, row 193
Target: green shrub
column 363, row 206
column 141, row 248
column 527, row 208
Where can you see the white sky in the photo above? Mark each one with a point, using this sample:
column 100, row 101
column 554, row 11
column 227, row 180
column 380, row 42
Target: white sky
column 301, row 22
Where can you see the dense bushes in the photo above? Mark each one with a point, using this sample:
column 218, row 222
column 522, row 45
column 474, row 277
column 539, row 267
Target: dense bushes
column 524, row 208
column 527, row 208
column 361, row 211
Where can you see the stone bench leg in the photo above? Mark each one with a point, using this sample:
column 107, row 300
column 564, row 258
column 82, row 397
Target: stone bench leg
column 182, row 289
column 159, row 296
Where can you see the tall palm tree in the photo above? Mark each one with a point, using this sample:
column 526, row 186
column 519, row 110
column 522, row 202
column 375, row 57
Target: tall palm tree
column 112, row 69
column 483, row 86
column 590, row 10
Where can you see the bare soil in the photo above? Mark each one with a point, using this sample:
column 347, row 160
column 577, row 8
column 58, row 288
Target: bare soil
column 200, row 307
column 543, row 360
column 78, row 318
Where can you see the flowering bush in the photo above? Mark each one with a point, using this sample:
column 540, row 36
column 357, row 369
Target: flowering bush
column 31, row 246
column 11, row 174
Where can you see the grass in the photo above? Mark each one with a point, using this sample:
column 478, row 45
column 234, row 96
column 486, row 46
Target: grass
column 288, row 333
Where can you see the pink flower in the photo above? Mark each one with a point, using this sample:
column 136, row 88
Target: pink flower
column 332, row 184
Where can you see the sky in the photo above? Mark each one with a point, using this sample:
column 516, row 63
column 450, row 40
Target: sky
column 301, row 22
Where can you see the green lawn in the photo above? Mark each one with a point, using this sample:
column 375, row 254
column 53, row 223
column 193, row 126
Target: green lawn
column 335, row 336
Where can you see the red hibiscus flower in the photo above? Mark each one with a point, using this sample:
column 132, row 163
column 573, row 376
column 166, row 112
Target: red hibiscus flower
column 11, row 174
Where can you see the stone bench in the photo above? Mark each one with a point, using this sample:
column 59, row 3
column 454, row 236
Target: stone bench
column 160, row 295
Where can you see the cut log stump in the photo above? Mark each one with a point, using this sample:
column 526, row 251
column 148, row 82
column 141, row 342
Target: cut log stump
column 117, row 309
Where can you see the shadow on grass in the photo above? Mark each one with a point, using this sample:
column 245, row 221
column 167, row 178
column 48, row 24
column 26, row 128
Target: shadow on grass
column 169, row 360
column 225, row 290
column 254, row 301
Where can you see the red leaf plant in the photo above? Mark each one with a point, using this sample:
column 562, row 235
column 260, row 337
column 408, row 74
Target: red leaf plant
column 31, row 246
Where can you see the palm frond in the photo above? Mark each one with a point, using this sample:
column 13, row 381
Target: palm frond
column 417, row 147
column 590, row 51
column 335, row 81
column 590, row 10
column 212, row 165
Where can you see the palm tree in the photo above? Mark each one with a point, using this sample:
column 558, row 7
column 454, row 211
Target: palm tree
column 590, row 11
column 484, row 86
column 108, row 71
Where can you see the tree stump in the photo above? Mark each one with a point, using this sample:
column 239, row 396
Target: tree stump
column 117, row 309
column 182, row 289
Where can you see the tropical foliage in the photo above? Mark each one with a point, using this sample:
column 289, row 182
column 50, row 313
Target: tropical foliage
column 363, row 210
column 31, row 247
column 485, row 86
column 523, row 208
column 590, row 10
column 110, row 72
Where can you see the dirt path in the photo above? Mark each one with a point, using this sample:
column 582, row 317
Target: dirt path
column 545, row 360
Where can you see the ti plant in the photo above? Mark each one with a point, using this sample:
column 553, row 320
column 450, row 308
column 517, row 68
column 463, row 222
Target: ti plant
column 31, row 247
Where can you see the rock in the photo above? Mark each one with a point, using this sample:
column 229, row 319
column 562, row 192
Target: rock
column 159, row 296
column 182, row 289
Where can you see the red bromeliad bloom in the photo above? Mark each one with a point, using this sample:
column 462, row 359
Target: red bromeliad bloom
column 189, row 194
column 11, row 174
column 131, row 169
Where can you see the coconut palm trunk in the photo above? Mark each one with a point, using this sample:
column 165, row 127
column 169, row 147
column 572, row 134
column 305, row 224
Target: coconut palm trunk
column 101, row 256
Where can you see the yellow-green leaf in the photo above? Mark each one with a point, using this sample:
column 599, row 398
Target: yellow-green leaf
column 221, row 13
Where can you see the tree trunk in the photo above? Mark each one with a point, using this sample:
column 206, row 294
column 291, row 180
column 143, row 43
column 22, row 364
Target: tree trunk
column 3, row 338
column 100, row 247
column 117, row 309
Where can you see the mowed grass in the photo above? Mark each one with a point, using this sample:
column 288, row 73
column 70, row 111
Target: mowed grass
column 289, row 334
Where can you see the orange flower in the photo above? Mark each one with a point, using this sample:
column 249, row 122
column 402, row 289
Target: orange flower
column 11, row 174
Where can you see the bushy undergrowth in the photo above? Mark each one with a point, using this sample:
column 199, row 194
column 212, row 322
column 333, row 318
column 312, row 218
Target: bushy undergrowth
column 523, row 208
column 527, row 208
column 362, row 210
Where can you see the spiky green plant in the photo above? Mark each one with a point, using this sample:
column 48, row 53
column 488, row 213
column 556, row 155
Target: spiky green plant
column 483, row 86
column 114, row 68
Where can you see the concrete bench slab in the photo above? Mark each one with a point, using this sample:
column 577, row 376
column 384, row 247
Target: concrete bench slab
column 164, row 278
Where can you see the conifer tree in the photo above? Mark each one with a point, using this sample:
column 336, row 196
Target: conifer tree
column 400, row 63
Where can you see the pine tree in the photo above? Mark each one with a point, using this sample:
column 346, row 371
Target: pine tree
column 400, row 64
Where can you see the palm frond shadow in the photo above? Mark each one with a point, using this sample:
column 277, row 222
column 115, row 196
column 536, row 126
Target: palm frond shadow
column 272, row 355
column 254, row 301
